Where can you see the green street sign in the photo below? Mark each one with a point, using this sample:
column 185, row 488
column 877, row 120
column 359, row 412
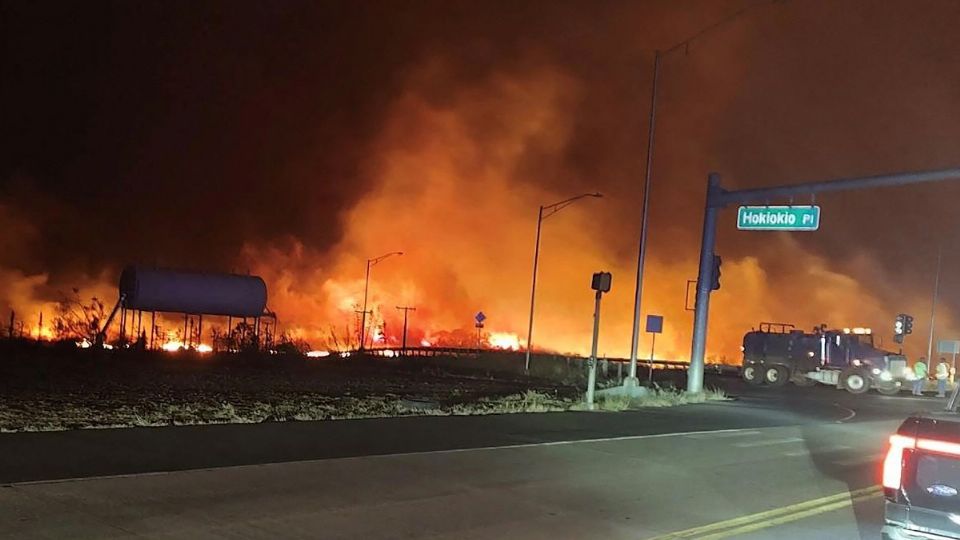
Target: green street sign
column 778, row 218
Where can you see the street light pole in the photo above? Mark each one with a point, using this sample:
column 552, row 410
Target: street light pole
column 933, row 308
column 635, row 337
column 545, row 212
column 631, row 380
column 533, row 289
column 366, row 288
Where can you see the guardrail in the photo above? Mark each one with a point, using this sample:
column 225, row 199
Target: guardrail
column 456, row 352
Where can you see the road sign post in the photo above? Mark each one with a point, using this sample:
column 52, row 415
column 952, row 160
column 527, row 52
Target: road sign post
column 654, row 327
column 479, row 318
column 601, row 283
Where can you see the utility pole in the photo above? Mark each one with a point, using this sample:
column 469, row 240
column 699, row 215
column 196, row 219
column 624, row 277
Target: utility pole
column 366, row 287
column 718, row 198
column 406, row 310
column 933, row 308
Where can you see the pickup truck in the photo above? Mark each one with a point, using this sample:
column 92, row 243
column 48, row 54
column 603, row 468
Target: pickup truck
column 921, row 477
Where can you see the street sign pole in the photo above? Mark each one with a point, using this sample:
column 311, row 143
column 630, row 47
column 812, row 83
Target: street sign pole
column 592, row 375
column 601, row 283
column 704, row 288
column 480, row 317
column 654, row 326
column 653, row 344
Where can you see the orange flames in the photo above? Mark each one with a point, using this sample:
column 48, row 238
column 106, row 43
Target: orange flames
column 455, row 184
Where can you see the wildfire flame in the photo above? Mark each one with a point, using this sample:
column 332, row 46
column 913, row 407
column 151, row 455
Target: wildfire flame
column 504, row 340
column 449, row 185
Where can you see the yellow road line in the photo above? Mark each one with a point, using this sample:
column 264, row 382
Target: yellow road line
column 770, row 518
column 788, row 518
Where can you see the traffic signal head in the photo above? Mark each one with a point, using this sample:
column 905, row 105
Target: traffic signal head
column 717, row 261
column 899, row 325
column 907, row 324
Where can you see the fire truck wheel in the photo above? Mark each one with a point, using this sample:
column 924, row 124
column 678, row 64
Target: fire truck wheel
column 776, row 375
column 890, row 388
column 855, row 380
column 752, row 374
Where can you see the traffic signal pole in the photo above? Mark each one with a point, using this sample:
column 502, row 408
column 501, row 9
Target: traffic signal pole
column 718, row 198
column 704, row 284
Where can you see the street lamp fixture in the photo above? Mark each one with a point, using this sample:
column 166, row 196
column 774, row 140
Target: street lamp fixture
column 545, row 212
column 366, row 287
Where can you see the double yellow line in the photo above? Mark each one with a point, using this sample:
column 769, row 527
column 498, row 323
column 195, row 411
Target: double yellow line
column 772, row 518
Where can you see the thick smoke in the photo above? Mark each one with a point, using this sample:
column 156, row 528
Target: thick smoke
column 296, row 141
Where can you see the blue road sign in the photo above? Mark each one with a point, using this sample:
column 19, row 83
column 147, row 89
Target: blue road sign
column 655, row 324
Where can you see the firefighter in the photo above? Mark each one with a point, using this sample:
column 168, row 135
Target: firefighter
column 943, row 371
column 920, row 370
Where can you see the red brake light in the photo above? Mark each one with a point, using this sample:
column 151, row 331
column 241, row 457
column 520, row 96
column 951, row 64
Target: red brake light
column 940, row 447
column 893, row 462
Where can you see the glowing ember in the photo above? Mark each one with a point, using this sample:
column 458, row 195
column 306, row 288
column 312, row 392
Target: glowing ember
column 504, row 340
column 318, row 354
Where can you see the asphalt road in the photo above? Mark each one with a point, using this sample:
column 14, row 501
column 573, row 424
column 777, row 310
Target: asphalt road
column 792, row 463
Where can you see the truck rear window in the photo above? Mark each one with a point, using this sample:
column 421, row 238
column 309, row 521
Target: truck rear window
column 936, row 482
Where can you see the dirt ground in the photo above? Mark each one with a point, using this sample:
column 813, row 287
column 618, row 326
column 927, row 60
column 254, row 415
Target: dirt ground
column 49, row 388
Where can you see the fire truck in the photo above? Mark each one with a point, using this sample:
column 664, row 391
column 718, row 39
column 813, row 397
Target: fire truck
column 778, row 353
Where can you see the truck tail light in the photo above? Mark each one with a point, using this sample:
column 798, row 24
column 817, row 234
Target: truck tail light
column 893, row 462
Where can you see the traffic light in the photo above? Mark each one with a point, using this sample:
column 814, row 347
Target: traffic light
column 717, row 261
column 899, row 325
column 902, row 326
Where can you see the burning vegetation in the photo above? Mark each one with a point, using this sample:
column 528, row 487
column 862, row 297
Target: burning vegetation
column 445, row 148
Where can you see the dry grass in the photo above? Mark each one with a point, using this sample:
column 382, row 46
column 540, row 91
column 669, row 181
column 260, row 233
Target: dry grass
column 659, row 397
column 64, row 415
column 527, row 402
column 58, row 416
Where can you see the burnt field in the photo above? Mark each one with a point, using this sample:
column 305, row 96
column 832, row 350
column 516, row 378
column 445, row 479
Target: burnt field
column 44, row 387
